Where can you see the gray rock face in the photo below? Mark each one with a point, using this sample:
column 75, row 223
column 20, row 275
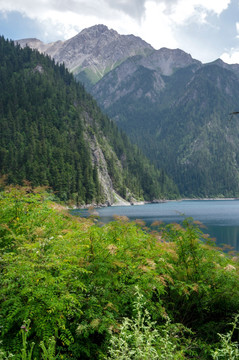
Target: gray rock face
column 113, row 63
column 96, row 49
column 104, row 178
column 99, row 50
column 37, row 44
column 166, row 61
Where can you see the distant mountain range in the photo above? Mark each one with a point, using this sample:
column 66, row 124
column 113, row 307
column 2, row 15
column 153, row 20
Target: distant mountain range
column 173, row 106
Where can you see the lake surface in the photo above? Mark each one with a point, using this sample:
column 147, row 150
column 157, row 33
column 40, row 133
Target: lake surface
column 221, row 217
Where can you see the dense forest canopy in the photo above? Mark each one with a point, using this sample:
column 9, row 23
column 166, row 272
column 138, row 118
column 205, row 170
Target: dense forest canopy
column 47, row 124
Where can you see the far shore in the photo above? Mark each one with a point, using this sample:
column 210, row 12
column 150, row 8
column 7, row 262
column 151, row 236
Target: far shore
column 209, row 199
column 139, row 203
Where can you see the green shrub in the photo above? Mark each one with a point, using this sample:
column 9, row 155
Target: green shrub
column 204, row 293
column 228, row 349
column 76, row 282
column 139, row 338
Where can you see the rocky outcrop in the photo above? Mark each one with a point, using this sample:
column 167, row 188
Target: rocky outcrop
column 109, row 195
column 104, row 178
column 166, row 61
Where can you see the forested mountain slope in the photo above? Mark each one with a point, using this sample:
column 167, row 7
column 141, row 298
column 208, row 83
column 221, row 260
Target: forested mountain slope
column 53, row 133
column 172, row 106
column 181, row 122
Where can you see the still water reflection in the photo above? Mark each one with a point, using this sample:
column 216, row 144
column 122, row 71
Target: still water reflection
column 221, row 217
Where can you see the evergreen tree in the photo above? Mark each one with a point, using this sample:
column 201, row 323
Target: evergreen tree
column 46, row 122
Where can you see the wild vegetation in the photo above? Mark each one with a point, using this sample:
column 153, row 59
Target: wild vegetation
column 52, row 133
column 79, row 290
column 71, row 288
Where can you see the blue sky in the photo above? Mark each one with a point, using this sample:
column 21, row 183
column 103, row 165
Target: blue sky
column 207, row 29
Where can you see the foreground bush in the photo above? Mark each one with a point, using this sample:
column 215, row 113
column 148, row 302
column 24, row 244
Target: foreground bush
column 76, row 281
column 139, row 338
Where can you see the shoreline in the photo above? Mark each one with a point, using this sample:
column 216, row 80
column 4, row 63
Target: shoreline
column 139, row 203
column 209, row 199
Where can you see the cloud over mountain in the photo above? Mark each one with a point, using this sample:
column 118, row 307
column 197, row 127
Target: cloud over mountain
column 205, row 28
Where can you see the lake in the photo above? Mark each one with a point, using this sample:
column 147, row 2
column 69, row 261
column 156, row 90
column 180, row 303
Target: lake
column 221, row 217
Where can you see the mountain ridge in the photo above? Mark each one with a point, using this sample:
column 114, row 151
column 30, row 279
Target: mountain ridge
column 96, row 49
column 168, row 103
column 99, row 40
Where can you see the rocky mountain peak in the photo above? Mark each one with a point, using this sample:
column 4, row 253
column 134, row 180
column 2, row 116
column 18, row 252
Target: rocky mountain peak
column 100, row 28
column 232, row 67
column 97, row 50
column 93, row 52
column 96, row 31
column 94, row 34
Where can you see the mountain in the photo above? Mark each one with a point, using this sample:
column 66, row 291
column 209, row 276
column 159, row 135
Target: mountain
column 172, row 106
column 54, row 134
column 93, row 52
column 142, row 77
column 180, row 121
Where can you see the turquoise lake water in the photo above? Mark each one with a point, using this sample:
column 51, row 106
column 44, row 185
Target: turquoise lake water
column 221, row 217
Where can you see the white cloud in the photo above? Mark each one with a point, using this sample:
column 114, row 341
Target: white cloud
column 180, row 9
column 69, row 23
column 156, row 27
column 237, row 28
column 217, row 6
column 163, row 20
column 166, row 23
column 196, row 10
column 231, row 57
column 66, row 18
